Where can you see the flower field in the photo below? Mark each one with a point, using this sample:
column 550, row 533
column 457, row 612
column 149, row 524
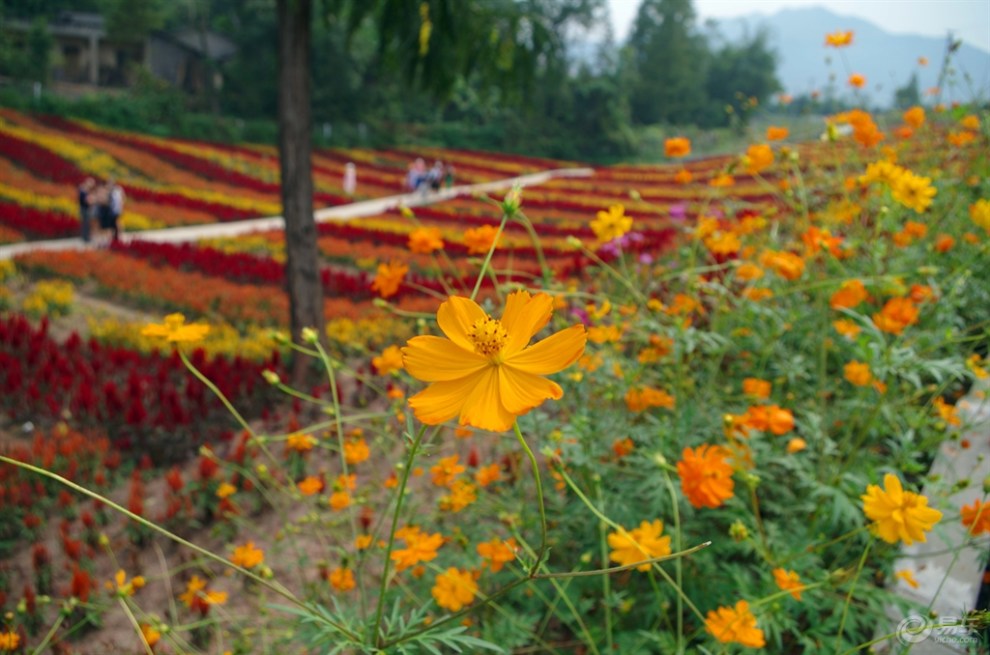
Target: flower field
column 687, row 407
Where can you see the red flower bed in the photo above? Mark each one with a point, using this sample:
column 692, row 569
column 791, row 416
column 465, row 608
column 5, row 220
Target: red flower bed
column 37, row 223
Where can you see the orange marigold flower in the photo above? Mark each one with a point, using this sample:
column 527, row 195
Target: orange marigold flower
column 310, row 485
column 839, row 39
column 425, row 240
column 849, row 295
column 479, row 240
column 248, row 555
column 897, row 314
column 706, row 476
column 454, row 589
column 677, row 147
column 976, row 517
column 638, row 544
column 944, row 243
column 857, row 81
column 497, row 553
column 342, row 579
column 756, row 387
column 776, row 133
column 748, row 272
column 898, row 515
column 722, row 180
column 857, row 373
column 639, row 399
column 788, row 581
column 735, row 625
column 915, row 116
column 486, row 475
column 785, row 264
column 683, row 176
column 446, row 470
column 9, row 641
column 758, row 158
column 484, row 372
column 390, row 360
column 388, row 279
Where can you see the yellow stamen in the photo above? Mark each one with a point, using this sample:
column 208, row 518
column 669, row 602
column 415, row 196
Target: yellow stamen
column 488, row 336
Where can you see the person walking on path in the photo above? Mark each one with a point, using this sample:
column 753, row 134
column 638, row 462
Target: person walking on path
column 85, row 206
column 116, row 203
column 350, row 178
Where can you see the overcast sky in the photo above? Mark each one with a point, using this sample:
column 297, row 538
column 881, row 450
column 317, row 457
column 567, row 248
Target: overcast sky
column 968, row 19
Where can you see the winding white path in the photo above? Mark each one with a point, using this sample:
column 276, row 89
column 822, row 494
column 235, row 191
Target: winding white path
column 338, row 213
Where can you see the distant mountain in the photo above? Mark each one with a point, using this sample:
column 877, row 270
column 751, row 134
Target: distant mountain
column 887, row 60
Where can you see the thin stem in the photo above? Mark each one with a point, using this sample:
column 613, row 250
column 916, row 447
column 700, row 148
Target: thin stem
column 606, row 580
column 276, row 588
column 134, row 623
column 380, row 608
column 488, row 257
column 678, row 567
column 51, row 633
column 852, row 589
column 539, row 498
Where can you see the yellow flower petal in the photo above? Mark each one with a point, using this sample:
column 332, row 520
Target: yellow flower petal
column 553, row 354
column 435, row 359
column 521, row 391
column 456, row 316
column 442, row 401
column 483, row 408
column 523, row 317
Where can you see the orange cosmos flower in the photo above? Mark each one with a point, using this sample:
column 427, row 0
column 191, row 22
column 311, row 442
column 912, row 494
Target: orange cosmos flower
column 915, row 116
column 425, row 240
column 971, row 122
column 846, row 328
column 922, row 61
column 339, row 500
column 197, row 597
column 839, row 39
column 454, row 589
column 785, row 264
column 788, row 581
column 486, row 475
column 310, row 486
column 896, row 315
column 639, row 399
column 857, row 373
column 677, row 147
column 341, row 579
column 735, row 625
column 907, row 575
column 756, row 387
column 946, row 412
column 420, row 547
column 748, row 272
column 638, row 544
column 300, row 442
column 960, row 139
column 796, row 445
column 446, row 470
column 849, row 295
column 857, row 81
column 898, row 514
column 390, row 360
column 497, row 553
column 388, row 279
column 683, row 176
column 356, row 451
column 248, row 556
column 775, row 133
column 722, row 180
column 150, row 635
column 484, row 372
column 976, row 517
column 706, row 476
column 758, row 158
column 174, row 330
column 479, row 240
column 944, row 243
column 611, row 224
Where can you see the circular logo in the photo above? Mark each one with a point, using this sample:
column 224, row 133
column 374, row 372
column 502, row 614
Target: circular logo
column 914, row 630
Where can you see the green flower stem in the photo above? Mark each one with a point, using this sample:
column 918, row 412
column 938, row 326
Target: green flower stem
column 40, row 648
column 488, row 257
column 606, row 580
column 626, row 282
column 134, row 623
column 380, row 608
column 537, row 246
column 656, row 566
column 275, row 588
column 852, row 589
column 541, row 551
column 678, row 566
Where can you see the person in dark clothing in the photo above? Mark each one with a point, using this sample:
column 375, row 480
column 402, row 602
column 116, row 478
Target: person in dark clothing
column 85, row 207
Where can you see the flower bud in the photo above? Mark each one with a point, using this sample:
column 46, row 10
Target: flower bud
column 271, row 377
column 309, row 335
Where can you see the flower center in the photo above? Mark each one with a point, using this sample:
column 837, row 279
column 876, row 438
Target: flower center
column 488, row 336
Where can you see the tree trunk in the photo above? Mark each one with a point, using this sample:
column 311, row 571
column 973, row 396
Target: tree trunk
column 294, row 124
